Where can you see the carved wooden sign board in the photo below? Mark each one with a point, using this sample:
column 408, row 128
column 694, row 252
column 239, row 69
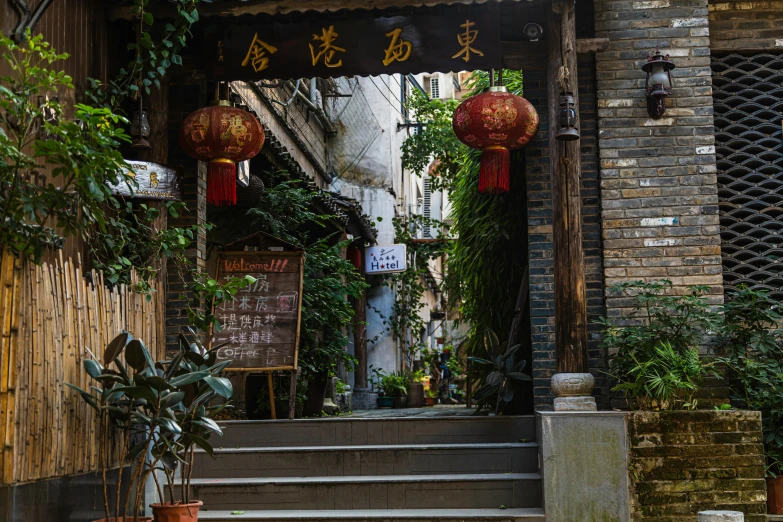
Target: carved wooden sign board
column 255, row 48
column 261, row 324
column 154, row 181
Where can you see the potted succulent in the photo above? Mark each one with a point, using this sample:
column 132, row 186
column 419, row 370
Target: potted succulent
column 431, row 397
column 158, row 412
column 415, row 389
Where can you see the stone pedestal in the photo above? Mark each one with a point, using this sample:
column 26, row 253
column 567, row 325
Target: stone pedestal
column 584, row 466
column 721, row 516
column 364, row 399
column 573, row 392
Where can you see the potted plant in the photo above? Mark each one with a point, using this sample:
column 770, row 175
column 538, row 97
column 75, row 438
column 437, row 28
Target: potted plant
column 159, row 410
column 196, row 372
column 431, row 397
column 415, row 389
column 394, row 388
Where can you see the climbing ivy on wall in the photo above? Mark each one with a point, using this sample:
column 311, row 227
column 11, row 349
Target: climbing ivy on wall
column 488, row 254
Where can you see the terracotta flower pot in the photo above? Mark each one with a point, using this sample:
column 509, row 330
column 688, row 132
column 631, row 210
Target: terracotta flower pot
column 430, row 401
column 775, row 495
column 176, row 512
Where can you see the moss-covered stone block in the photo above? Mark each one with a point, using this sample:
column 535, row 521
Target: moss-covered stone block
column 685, row 462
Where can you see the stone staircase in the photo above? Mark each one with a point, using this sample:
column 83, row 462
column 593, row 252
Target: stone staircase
column 372, row 469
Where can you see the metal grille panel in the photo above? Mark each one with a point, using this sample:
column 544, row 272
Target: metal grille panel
column 748, row 102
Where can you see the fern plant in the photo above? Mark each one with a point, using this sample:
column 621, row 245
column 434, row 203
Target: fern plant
column 665, row 381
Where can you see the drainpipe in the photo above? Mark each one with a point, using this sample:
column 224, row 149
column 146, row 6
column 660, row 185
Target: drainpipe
column 319, row 112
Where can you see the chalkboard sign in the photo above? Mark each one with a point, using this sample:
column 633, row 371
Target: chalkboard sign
column 261, row 324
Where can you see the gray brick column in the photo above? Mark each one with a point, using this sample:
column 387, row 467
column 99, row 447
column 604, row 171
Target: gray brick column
column 658, row 177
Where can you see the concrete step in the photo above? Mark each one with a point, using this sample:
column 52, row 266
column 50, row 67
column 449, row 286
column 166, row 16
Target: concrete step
column 479, row 491
column 403, row 459
column 380, row 515
column 347, row 431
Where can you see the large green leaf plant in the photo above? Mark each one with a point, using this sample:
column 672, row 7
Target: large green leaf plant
column 158, row 412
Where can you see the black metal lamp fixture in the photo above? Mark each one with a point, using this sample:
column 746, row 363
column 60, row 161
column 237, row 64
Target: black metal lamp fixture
column 567, row 130
column 140, row 129
column 658, row 83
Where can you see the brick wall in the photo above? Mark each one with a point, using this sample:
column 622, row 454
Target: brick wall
column 746, row 25
column 685, row 462
column 184, row 99
column 540, row 235
column 658, row 177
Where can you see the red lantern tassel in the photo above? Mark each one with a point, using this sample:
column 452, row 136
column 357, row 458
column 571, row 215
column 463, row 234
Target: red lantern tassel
column 222, row 182
column 495, row 170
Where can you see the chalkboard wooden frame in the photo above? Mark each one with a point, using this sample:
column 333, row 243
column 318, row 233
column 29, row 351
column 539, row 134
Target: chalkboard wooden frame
column 299, row 255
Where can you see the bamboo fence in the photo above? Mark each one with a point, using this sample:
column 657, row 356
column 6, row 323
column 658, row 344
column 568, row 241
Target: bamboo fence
column 51, row 318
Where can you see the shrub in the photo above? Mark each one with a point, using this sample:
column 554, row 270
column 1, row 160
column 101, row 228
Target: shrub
column 754, row 357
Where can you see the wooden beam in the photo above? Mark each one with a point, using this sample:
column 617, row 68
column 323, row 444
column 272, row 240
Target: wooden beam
column 565, row 172
column 286, row 7
column 532, row 55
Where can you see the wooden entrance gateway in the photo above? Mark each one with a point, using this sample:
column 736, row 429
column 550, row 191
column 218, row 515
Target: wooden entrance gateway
column 273, row 40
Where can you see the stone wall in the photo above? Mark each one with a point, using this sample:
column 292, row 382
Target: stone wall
column 539, row 194
column 685, row 462
column 746, row 25
column 658, row 177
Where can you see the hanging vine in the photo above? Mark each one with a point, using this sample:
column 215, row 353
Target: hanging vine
column 152, row 58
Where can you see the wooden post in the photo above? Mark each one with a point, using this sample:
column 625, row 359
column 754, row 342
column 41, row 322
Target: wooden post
column 271, row 384
column 565, row 171
column 292, row 397
column 360, row 341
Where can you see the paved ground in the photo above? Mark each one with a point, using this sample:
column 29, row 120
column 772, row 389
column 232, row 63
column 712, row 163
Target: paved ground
column 441, row 410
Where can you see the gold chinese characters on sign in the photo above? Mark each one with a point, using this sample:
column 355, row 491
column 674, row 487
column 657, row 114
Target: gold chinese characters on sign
column 466, row 40
column 257, row 55
column 327, row 49
column 324, row 48
column 399, row 49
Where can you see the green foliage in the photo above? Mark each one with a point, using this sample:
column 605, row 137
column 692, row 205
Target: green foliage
column 285, row 210
column 434, row 138
column 152, row 58
column 754, row 346
column 162, row 408
column 394, row 384
column 415, row 377
column 506, row 369
column 409, row 286
column 657, row 317
column 487, row 257
column 665, row 379
column 81, row 153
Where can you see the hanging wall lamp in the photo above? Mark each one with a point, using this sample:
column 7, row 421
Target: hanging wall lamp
column 567, row 130
column 658, row 83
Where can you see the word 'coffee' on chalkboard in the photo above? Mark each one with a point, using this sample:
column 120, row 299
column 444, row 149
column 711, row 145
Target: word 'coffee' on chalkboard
column 261, row 324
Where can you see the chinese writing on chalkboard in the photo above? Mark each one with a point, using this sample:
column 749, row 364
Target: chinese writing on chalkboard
column 259, row 326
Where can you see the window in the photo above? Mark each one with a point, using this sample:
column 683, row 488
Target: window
column 434, row 88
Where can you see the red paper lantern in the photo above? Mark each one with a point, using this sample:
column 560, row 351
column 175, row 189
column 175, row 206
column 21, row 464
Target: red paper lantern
column 221, row 135
column 496, row 122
